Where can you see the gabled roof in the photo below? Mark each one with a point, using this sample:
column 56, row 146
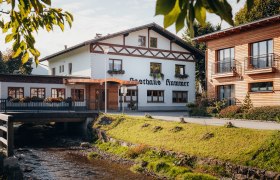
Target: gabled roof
column 239, row 29
column 153, row 26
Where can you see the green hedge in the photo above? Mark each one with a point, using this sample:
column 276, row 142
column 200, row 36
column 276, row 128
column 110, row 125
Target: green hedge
column 268, row 113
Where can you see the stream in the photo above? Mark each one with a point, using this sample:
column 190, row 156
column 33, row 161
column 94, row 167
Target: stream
column 47, row 154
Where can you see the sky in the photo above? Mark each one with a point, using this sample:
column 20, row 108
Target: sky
column 103, row 16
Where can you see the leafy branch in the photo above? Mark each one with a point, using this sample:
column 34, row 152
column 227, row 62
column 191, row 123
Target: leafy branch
column 179, row 12
column 27, row 17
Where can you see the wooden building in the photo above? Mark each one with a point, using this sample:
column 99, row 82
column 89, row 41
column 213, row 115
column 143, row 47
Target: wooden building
column 244, row 59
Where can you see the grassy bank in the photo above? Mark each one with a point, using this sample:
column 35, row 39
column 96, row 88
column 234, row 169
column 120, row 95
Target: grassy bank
column 243, row 146
column 148, row 160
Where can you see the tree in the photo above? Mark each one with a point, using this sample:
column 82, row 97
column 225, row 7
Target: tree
column 180, row 11
column 262, row 9
column 22, row 18
column 10, row 65
column 200, row 30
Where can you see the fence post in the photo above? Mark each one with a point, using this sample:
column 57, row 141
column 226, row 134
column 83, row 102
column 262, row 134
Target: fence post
column 10, row 138
column 5, row 105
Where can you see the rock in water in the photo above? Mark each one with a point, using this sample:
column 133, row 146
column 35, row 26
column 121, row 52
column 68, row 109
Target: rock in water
column 85, row 145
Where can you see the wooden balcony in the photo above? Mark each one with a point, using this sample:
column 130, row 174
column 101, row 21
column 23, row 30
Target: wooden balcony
column 221, row 69
column 260, row 64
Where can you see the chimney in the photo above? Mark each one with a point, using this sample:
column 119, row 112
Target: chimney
column 98, row 35
column 65, row 46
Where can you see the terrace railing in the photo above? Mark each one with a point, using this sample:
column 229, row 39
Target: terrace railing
column 6, row 106
column 260, row 62
column 221, row 67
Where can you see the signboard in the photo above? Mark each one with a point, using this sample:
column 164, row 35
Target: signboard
column 156, row 82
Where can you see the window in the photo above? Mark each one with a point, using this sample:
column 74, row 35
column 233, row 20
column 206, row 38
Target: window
column 155, row 68
column 61, row 68
column 16, row 92
column 180, row 69
column 142, row 41
column 77, row 94
column 70, row 68
column 38, row 92
column 261, row 87
column 155, row 96
column 153, row 42
column 131, row 95
column 58, row 92
column 53, row 71
column 225, row 60
column 115, row 64
column 180, row 96
column 260, row 56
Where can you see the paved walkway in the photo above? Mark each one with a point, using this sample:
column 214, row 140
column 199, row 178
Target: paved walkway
column 174, row 116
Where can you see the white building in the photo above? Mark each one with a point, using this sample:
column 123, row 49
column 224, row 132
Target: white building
column 156, row 66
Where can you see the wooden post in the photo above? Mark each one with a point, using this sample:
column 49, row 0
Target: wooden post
column 10, row 138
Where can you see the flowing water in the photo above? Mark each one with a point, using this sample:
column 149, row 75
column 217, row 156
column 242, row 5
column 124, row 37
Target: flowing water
column 45, row 154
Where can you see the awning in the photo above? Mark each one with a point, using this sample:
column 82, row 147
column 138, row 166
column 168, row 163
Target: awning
column 101, row 81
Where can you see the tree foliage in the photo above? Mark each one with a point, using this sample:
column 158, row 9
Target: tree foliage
column 262, row 9
column 179, row 12
column 22, row 18
column 200, row 30
column 10, row 65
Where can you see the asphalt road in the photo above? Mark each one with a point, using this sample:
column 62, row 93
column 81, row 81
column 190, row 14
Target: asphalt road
column 175, row 116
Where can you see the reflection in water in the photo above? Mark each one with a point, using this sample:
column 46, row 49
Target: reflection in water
column 47, row 157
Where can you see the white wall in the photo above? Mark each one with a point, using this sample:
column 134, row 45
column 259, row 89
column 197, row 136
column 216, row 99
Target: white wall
column 80, row 59
column 139, row 68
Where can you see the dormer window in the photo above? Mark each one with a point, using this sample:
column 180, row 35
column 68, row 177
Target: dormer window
column 153, row 42
column 142, row 41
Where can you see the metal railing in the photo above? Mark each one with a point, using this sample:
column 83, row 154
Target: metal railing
column 220, row 67
column 260, row 62
column 6, row 105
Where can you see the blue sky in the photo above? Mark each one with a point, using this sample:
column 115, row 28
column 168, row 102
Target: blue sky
column 102, row 16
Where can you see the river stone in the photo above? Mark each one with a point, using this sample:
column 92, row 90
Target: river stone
column 85, row 144
column 27, row 169
column 10, row 162
column 270, row 174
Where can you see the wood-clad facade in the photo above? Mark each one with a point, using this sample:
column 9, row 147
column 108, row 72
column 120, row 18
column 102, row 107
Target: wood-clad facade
column 244, row 60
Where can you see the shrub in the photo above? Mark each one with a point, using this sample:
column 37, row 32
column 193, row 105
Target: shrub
column 198, row 112
column 159, row 166
column 230, row 111
column 26, row 99
column 268, row 113
column 175, row 171
column 247, row 103
column 211, row 110
column 36, row 99
column 137, row 168
column 134, row 152
column 191, row 105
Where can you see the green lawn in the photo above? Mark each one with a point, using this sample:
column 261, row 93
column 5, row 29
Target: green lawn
column 238, row 145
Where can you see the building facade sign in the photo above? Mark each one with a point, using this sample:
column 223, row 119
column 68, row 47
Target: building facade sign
column 155, row 82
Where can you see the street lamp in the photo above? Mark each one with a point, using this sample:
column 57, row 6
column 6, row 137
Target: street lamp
column 106, row 50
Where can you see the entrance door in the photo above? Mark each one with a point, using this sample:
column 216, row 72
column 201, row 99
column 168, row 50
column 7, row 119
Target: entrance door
column 226, row 92
column 100, row 99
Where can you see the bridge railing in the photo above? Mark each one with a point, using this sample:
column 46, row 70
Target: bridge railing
column 6, row 134
column 6, row 105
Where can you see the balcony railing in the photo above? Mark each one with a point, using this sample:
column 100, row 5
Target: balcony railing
column 255, row 63
column 224, row 67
